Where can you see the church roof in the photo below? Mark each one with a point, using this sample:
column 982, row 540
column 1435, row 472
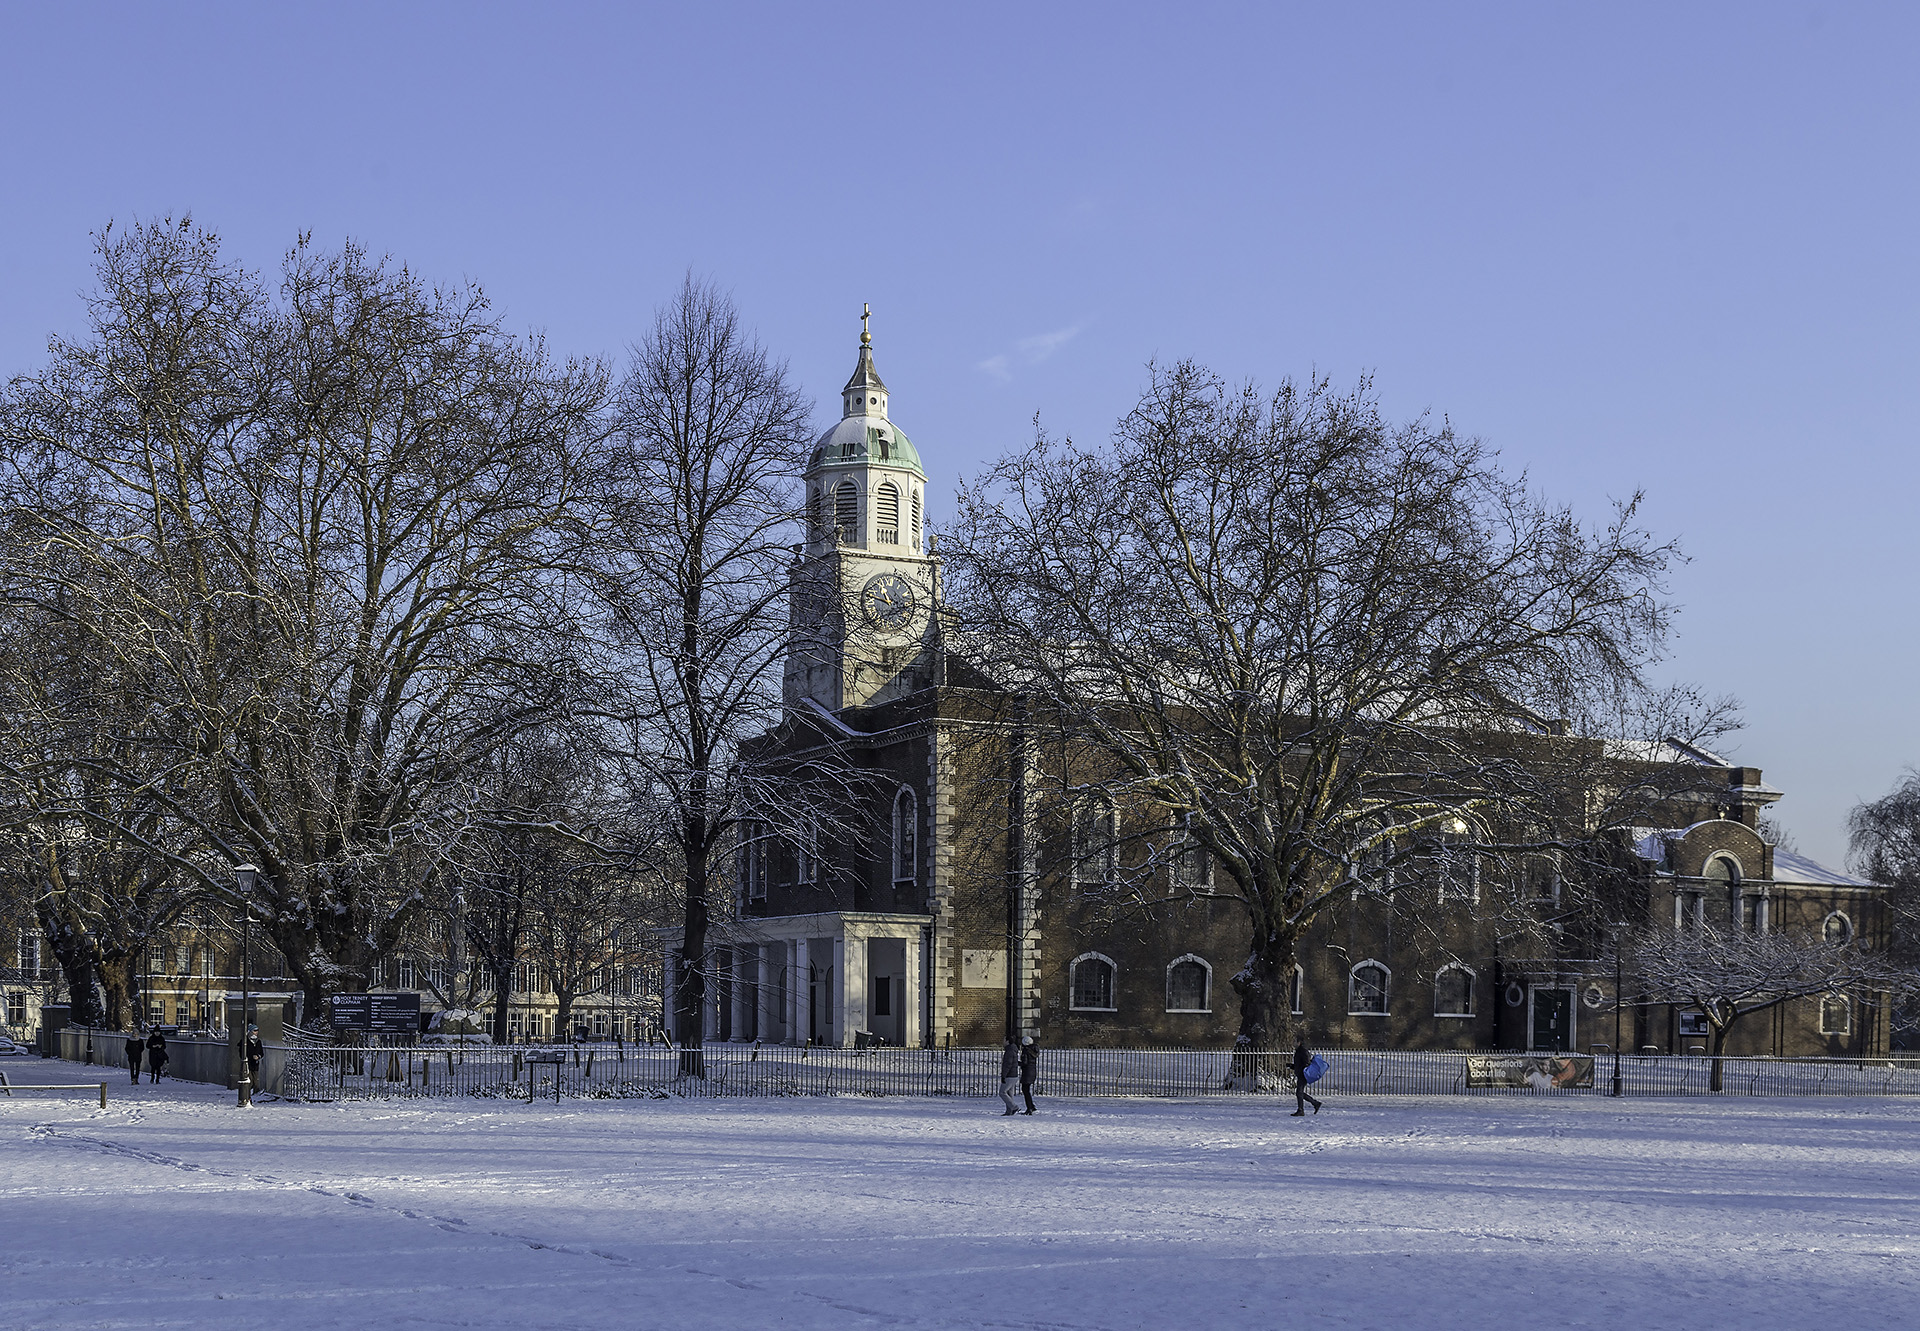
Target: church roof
column 864, row 375
column 859, row 441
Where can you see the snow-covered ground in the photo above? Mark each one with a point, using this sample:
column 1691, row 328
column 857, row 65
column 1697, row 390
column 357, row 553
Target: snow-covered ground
column 172, row 1208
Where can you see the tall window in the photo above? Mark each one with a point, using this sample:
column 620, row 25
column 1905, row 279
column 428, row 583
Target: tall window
column 1837, row 929
column 906, row 820
column 1096, row 854
column 846, row 510
column 1187, row 982
column 1540, row 874
column 1091, row 983
column 756, row 856
column 1456, row 863
column 1298, row 989
column 886, row 517
column 1367, row 990
column 816, row 511
column 29, row 956
column 1453, row 992
column 916, row 517
column 1836, row 1015
column 1192, row 865
column 407, row 973
column 806, row 850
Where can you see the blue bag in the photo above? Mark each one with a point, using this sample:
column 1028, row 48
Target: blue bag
column 1314, row 1070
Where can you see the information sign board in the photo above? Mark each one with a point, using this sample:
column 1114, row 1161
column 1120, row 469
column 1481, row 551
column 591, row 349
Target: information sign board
column 394, row 1014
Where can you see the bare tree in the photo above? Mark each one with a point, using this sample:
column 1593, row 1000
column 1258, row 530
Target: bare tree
column 1728, row 974
column 1886, row 850
column 318, row 536
column 702, row 504
column 1308, row 645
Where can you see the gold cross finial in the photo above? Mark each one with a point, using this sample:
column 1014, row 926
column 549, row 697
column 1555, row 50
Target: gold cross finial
column 866, row 312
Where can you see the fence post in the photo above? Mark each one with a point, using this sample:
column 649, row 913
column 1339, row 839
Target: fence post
column 103, row 1095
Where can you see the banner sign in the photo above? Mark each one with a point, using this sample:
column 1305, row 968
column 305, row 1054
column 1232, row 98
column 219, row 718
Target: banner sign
column 394, row 1014
column 1546, row 1073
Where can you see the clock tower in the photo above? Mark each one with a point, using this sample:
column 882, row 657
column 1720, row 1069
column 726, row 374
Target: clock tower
column 864, row 585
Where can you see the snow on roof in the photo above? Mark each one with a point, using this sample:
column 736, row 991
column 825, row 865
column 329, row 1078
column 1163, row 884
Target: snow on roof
column 1791, row 868
column 1650, row 843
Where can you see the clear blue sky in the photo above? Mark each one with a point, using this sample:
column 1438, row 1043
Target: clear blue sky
column 1662, row 247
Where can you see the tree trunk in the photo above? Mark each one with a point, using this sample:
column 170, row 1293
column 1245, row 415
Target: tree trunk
column 1265, row 988
column 502, row 999
column 690, row 992
column 116, row 977
column 1720, row 1034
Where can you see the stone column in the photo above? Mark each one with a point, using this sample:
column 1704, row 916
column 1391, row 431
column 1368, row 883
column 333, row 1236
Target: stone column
column 767, row 970
column 797, row 991
column 911, row 1021
column 853, row 985
column 741, row 974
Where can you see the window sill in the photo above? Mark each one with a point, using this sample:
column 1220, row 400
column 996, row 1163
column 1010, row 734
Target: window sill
column 1366, row 1014
column 1187, row 1011
column 1072, row 1008
column 1459, row 1015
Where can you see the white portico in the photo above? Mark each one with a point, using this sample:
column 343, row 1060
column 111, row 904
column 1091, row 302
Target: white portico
column 826, row 978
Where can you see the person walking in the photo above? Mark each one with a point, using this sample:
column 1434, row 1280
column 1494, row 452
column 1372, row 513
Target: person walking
column 255, row 1052
column 1029, row 1068
column 1302, row 1060
column 1009, row 1076
column 156, row 1055
column 135, row 1047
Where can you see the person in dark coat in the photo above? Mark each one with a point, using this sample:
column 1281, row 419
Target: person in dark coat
column 135, row 1048
column 1029, row 1068
column 156, row 1055
column 255, row 1052
column 1009, row 1076
column 1302, row 1056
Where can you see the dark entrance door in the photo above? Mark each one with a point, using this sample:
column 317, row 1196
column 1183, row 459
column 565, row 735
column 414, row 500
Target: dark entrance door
column 1553, row 1019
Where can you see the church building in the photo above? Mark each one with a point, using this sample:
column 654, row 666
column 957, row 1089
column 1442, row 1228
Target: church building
column 941, row 910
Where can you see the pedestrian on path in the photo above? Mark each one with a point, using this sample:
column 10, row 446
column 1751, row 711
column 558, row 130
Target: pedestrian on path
column 1302, row 1060
column 1029, row 1068
column 1010, row 1076
column 255, row 1052
column 135, row 1047
column 156, row 1055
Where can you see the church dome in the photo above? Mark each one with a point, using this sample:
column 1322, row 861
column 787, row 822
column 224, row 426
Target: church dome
column 859, row 441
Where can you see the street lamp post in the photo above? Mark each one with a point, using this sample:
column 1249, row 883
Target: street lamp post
column 244, row 876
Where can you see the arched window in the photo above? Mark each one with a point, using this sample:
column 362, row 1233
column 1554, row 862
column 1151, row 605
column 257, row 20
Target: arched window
column 816, row 512
column 1722, row 871
column 1090, row 983
column 1299, row 988
column 1836, row 1015
column 1837, row 928
column 1189, row 981
column 1453, row 992
column 1367, row 990
column 916, row 517
column 886, row 516
column 846, row 509
column 906, row 826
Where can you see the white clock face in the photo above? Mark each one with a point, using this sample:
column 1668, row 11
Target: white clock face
column 888, row 601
